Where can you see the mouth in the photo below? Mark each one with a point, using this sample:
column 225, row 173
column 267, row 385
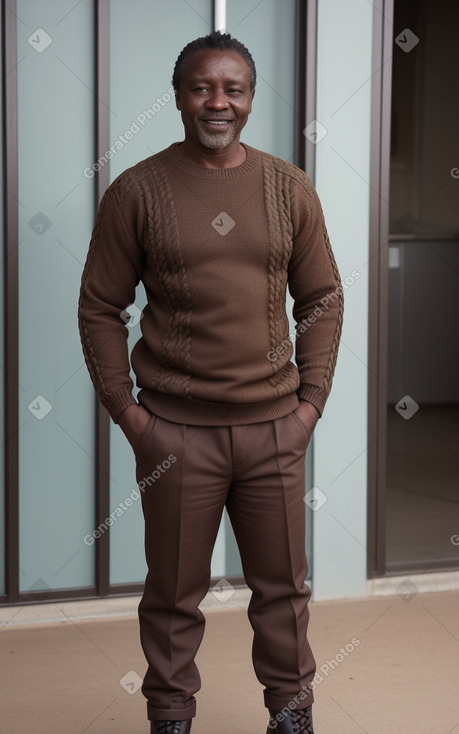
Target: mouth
column 217, row 123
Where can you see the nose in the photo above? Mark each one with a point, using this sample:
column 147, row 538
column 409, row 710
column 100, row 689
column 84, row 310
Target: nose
column 217, row 100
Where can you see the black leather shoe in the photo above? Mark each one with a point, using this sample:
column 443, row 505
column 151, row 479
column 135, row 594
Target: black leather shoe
column 171, row 727
column 291, row 722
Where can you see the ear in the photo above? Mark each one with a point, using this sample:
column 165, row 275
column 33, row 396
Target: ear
column 177, row 98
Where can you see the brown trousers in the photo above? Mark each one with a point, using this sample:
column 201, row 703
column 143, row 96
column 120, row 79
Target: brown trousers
column 187, row 474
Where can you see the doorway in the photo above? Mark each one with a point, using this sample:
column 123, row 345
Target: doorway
column 417, row 465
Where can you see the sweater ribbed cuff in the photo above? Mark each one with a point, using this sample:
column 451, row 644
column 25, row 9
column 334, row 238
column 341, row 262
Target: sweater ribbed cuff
column 116, row 402
column 313, row 394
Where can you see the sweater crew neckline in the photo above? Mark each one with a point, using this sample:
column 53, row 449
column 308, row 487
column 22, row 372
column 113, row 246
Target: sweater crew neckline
column 247, row 167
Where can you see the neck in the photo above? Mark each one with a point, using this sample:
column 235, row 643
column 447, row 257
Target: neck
column 229, row 157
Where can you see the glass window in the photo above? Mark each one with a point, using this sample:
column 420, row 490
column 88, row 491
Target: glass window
column 424, row 160
column 56, row 211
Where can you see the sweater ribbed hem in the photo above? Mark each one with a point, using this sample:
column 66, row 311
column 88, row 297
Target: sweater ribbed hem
column 313, row 394
column 199, row 413
column 117, row 402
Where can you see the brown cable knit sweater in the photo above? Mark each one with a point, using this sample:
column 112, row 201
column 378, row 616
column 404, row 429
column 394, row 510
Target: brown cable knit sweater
column 215, row 250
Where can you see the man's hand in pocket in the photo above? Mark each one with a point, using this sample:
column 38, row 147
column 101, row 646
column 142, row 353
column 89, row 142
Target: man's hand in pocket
column 308, row 414
column 133, row 421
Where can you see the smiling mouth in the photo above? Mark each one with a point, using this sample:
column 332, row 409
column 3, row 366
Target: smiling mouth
column 218, row 123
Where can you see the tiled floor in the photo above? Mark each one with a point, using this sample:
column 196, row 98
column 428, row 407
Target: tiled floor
column 400, row 673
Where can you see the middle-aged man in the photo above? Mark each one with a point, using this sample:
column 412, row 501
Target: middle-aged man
column 216, row 230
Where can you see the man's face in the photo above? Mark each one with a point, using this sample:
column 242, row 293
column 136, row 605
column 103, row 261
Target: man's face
column 214, row 98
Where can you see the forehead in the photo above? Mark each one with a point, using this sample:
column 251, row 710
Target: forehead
column 208, row 64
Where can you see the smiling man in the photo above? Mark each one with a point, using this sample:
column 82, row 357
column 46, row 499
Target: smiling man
column 216, row 125
column 216, row 230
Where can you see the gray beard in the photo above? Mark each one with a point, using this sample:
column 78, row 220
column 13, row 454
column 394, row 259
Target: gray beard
column 215, row 140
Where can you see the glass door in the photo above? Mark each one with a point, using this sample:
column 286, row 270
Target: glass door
column 422, row 439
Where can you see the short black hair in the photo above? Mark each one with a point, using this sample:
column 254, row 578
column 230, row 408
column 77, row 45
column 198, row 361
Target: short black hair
column 215, row 41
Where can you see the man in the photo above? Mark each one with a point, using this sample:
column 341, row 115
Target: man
column 216, row 231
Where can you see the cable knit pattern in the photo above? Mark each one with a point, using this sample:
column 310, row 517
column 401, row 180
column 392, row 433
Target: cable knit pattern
column 215, row 250
column 328, row 376
column 88, row 350
column 165, row 247
column 280, row 229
